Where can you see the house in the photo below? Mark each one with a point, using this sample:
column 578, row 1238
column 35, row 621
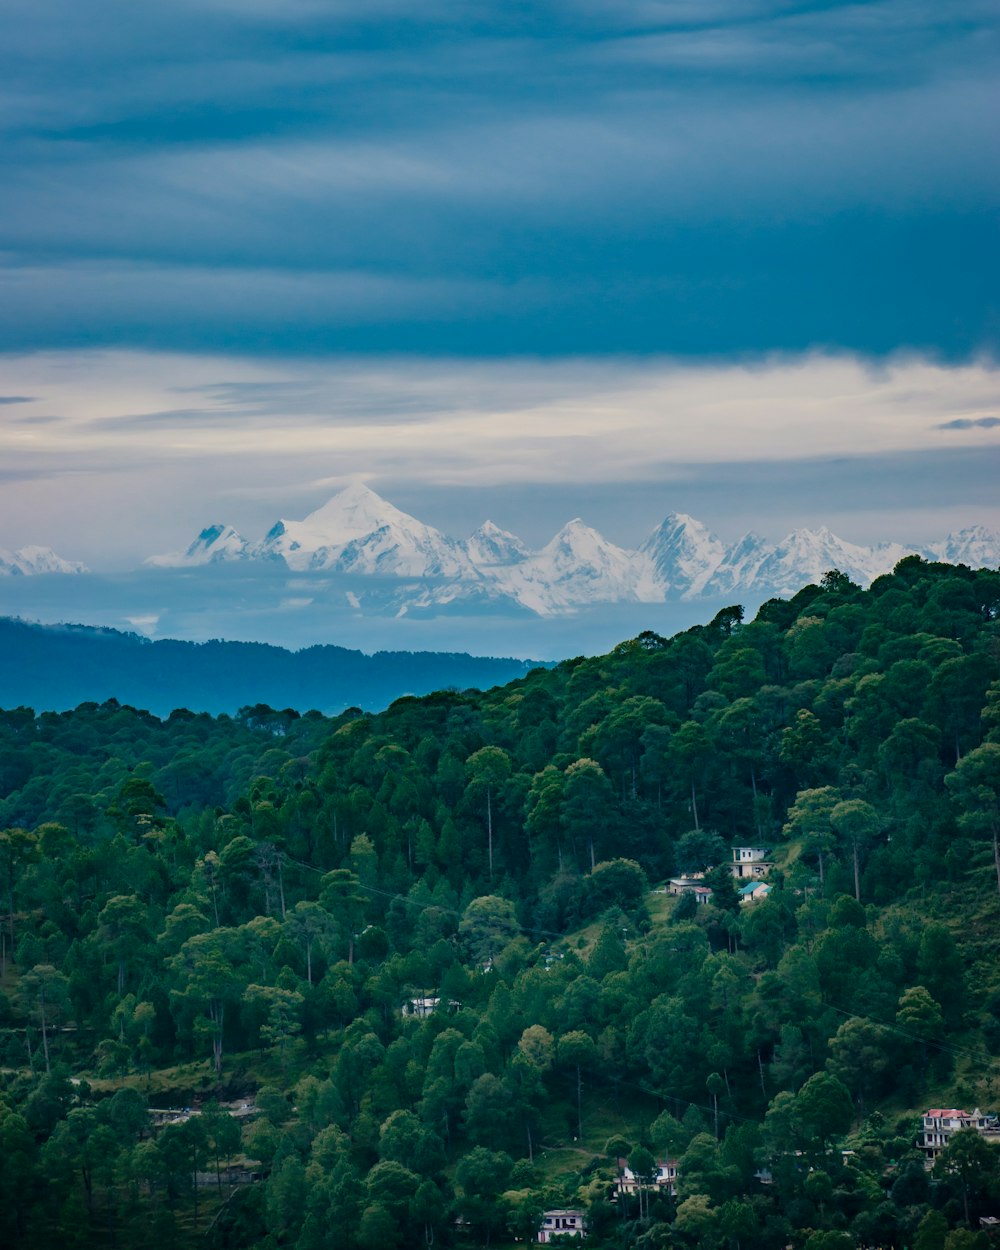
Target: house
column 691, row 885
column 420, row 1007
column 233, row 1174
column 665, row 1177
column 562, row 1222
column 751, row 861
column 940, row 1123
column 752, row 891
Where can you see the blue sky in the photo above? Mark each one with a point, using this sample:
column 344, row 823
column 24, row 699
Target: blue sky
column 577, row 195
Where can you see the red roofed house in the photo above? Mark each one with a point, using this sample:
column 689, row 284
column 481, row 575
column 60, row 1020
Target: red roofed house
column 940, row 1123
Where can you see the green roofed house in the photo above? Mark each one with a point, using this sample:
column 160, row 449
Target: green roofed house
column 752, row 891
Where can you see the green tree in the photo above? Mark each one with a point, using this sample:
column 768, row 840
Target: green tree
column 589, row 811
column 482, row 1176
column 809, row 818
column 970, row 1164
column 222, row 1136
column 931, row 1232
column 487, row 926
column 642, row 1165
column 342, row 898
column 577, row 1051
column 123, row 928
column 699, row 849
column 856, row 822
column 210, row 977
column 18, row 848
column 44, row 995
column 975, row 788
column 824, row 1107
column 487, row 770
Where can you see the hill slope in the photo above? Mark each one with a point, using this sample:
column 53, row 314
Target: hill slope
column 57, row 667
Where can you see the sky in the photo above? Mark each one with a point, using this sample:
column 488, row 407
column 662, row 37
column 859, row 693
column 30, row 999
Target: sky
column 608, row 258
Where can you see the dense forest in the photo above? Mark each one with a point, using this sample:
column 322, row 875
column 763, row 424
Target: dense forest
column 54, row 667
column 417, row 980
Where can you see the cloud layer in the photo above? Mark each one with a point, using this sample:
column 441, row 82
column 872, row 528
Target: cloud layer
column 127, row 453
column 486, row 179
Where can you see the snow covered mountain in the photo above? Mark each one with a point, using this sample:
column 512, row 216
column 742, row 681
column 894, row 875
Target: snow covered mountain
column 214, row 543
column 413, row 567
column 801, row 557
column 31, row 561
column 682, row 554
column 490, row 545
column 575, row 568
column 976, row 546
column 357, row 531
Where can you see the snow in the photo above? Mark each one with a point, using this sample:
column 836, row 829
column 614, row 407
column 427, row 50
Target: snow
column 214, row 543
column 975, row 546
column 805, row 555
column 359, row 533
column 739, row 565
column 683, row 554
column 575, row 568
column 491, row 545
column 33, row 561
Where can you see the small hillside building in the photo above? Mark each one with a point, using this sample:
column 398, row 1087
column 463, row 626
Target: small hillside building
column 420, row 1007
column 752, row 891
column 562, row 1222
column 694, row 884
column 751, row 862
column 940, row 1123
column 665, row 1177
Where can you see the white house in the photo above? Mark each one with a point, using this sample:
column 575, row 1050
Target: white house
column 694, row 884
column 420, row 1007
column 562, row 1222
column 664, row 1178
column 751, row 861
column 940, row 1123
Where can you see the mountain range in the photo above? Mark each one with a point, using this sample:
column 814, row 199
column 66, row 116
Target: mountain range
column 380, row 560
column 360, row 534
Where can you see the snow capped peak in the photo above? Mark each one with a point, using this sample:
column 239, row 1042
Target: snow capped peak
column 352, row 513
column 33, row 560
column 576, row 536
column 682, row 553
column 491, row 545
column 214, row 543
column 577, row 566
column 357, row 533
column 975, row 546
column 805, row 555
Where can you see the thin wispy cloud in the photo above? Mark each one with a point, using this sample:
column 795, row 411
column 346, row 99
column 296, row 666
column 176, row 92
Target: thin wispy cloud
column 971, row 423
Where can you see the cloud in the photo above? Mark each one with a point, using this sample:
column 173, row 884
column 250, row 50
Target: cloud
column 970, row 423
column 702, row 179
column 16, row 399
column 257, row 439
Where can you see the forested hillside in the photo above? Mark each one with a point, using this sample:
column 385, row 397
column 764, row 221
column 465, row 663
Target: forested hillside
column 54, row 667
column 417, row 975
